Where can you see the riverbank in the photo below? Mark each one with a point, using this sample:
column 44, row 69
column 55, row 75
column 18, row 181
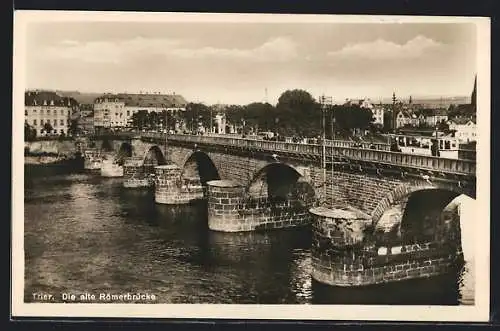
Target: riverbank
column 53, row 160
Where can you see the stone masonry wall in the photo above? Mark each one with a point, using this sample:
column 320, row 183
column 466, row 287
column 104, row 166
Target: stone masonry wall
column 229, row 212
column 345, row 252
column 408, row 262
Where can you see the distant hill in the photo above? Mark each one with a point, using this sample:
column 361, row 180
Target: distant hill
column 435, row 101
column 81, row 97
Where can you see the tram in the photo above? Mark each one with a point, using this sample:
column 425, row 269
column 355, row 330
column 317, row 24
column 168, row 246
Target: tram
column 447, row 147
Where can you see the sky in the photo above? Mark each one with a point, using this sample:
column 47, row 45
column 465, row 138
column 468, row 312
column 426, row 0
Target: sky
column 239, row 63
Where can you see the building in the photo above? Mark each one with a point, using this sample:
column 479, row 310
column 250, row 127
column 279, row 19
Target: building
column 435, row 117
column 116, row 110
column 48, row 112
column 403, row 118
column 109, row 112
column 220, row 123
column 377, row 110
column 378, row 115
column 86, row 118
column 465, row 129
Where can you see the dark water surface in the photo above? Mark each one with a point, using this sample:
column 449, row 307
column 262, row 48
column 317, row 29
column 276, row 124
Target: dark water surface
column 86, row 234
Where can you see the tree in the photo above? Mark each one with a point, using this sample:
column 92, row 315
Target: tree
column 140, row 119
column 153, row 120
column 48, row 127
column 234, row 114
column 350, row 117
column 29, row 132
column 259, row 116
column 297, row 113
column 171, row 117
column 388, row 125
column 443, row 126
column 73, row 127
column 195, row 114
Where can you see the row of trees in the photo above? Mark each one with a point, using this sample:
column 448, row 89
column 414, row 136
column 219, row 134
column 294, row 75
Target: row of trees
column 30, row 133
column 297, row 113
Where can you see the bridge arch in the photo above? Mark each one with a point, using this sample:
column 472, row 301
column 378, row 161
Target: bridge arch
column 153, row 156
column 420, row 213
column 125, row 150
column 106, row 145
column 199, row 166
column 402, row 192
column 278, row 182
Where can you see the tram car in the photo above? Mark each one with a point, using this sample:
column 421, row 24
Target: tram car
column 446, row 147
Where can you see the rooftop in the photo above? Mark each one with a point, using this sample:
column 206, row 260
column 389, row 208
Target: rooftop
column 39, row 97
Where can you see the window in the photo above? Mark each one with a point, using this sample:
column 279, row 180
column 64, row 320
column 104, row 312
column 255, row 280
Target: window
column 41, row 122
column 128, row 112
column 61, row 122
column 34, row 122
column 54, row 121
column 41, row 131
column 51, row 102
column 61, row 131
column 25, row 112
column 62, row 111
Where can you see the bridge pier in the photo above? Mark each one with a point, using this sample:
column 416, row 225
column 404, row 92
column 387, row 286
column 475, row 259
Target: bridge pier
column 169, row 189
column 345, row 252
column 228, row 210
column 135, row 174
column 110, row 168
column 92, row 161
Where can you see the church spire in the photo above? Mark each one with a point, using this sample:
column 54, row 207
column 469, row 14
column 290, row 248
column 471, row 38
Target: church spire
column 474, row 91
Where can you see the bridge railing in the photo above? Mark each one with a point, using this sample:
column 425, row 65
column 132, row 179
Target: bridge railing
column 433, row 163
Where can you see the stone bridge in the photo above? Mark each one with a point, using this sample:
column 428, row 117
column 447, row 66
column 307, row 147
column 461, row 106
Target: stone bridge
column 358, row 200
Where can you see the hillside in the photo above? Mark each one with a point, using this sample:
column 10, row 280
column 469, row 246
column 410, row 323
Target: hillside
column 81, row 97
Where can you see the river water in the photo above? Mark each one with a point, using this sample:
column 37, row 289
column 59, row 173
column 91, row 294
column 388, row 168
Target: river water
column 88, row 235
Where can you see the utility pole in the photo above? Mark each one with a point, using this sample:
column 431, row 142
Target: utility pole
column 167, row 159
column 323, row 102
column 333, row 139
column 211, row 119
column 394, row 111
column 323, row 143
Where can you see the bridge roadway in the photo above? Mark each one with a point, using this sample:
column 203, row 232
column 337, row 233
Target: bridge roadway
column 337, row 149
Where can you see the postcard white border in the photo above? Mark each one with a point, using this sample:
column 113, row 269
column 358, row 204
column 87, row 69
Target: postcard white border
column 478, row 312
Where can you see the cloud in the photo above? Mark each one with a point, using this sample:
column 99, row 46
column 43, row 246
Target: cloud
column 107, row 51
column 277, row 49
column 382, row 49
